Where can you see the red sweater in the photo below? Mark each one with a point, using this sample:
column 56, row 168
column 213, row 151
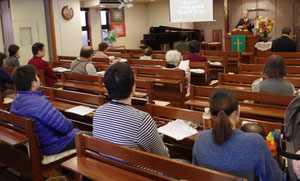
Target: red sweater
column 41, row 64
column 196, row 58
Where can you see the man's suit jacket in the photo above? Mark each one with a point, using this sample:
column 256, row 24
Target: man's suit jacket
column 249, row 25
column 284, row 44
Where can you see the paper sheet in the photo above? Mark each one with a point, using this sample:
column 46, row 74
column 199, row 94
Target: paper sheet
column 81, row 110
column 184, row 65
column 61, row 69
column 177, row 129
column 101, row 73
column 197, row 71
column 215, row 63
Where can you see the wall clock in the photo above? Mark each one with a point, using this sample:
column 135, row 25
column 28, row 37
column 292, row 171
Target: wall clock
column 67, row 13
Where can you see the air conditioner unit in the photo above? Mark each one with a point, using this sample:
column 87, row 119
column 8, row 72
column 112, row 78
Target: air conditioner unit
column 116, row 4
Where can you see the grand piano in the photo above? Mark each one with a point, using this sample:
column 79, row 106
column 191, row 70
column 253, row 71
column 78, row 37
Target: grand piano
column 168, row 35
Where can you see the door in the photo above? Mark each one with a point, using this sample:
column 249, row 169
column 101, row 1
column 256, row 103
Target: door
column 26, row 34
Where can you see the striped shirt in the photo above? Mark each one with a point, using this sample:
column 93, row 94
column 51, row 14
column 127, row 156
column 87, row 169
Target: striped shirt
column 124, row 125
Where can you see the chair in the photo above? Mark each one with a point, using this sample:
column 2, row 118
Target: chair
column 216, row 44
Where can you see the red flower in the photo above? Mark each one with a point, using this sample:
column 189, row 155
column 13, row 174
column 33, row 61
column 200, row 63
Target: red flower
column 269, row 21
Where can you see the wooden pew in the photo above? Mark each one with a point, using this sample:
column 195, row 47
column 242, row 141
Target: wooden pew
column 146, row 63
column 168, row 84
column 233, row 58
column 197, row 79
column 159, row 56
column 289, row 55
column 183, row 148
column 97, row 167
column 87, row 83
column 293, row 71
column 63, row 64
column 101, row 60
column 27, row 162
column 66, row 58
column 288, row 61
column 199, row 98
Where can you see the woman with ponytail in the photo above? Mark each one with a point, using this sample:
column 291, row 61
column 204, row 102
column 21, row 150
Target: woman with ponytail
column 227, row 149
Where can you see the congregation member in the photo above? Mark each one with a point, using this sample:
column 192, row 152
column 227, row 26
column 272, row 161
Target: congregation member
column 38, row 50
column 82, row 65
column 275, row 70
column 194, row 48
column 147, row 54
column 55, row 131
column 102, row 47
column 284, row 43
column 247, row 154
column 173, row 58
column 14, row 54
column 5, row 79
column 245, row 22
column 183, row 43
column 118, row 122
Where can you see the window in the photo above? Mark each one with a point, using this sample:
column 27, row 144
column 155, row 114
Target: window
column 104, row 22
column 85, row 26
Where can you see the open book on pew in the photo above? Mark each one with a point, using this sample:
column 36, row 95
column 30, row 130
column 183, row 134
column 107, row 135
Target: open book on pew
column 177, row 129
column 81, row 110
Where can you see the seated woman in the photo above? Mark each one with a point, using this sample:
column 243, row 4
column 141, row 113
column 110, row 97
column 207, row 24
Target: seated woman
column 194, row 47
column 275, row 70
column 101, row 50
column 147, row 54
column 14, row 54
column 5, row 78
column 227, row 149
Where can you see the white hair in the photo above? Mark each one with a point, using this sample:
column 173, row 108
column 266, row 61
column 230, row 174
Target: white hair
column 173, row 56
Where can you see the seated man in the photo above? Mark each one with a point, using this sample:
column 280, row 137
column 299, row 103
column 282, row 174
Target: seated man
column 5, row 79
column 118, row 122
column 284, row 43
column 38, row 50
column 194, row 47
column 82, row 65
column 183, row 44
column 147, row 55
column 55, row 131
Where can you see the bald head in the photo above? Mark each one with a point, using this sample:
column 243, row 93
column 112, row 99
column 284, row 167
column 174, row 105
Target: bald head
column 86, row 52
column 245, row 14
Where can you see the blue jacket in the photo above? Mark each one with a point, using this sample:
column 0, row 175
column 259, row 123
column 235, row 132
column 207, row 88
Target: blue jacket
column 4, row 78
column 55, row 131
column 244, row 154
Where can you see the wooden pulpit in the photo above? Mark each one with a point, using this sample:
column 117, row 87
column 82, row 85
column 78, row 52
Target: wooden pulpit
column 251, row 40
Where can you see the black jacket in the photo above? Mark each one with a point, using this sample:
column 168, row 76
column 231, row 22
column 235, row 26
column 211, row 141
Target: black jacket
column 249, row 25
column 284, row 44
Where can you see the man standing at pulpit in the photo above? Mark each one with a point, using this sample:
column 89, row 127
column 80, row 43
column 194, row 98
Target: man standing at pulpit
column 246, row 22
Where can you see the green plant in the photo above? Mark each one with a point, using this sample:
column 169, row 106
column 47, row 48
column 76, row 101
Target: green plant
column 111, row 36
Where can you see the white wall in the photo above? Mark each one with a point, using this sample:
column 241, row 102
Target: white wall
column 68, row 33
column 29, row 13
column 157, row 13
column 135, row 24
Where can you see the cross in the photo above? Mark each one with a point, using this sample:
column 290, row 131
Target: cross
column 238, row 43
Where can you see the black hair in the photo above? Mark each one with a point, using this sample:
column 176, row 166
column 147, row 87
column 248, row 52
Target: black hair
column 86, row 52
column 286, row 30
column 37, row 47
column 102, row 46
column 275, row 67
column 119, row 80
column 2, row 57
column 183, row 36
column 13, row 49
column 223, row 103
column 194, row 46
column 23, row 77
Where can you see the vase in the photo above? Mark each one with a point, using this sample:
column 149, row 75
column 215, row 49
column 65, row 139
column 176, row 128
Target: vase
column 265, row 38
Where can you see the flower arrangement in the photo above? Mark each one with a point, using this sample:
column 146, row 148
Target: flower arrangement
column 264, row 26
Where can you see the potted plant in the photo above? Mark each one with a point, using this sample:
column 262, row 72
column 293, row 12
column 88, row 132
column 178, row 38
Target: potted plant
column 112, row 37
column 264, row 27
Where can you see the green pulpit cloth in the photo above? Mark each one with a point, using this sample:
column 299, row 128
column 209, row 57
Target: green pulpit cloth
column 238, row 43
